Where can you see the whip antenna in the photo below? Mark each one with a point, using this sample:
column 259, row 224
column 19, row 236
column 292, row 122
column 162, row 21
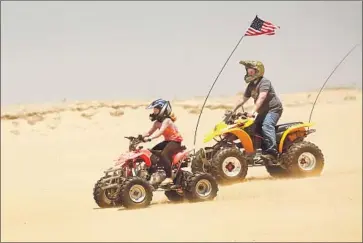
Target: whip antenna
column 322, row 87
column 210, row 90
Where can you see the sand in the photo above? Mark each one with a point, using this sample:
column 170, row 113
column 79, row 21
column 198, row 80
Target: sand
column 51, row 160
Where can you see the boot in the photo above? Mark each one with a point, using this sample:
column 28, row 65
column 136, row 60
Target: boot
column 270, row 155
column 166, row 181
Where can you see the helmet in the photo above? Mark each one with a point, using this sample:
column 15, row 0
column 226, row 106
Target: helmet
column 258, row 66
column 164, row 107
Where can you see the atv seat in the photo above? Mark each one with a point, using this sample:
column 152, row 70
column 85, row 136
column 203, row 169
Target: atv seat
column 158, row 152
column 283, row 127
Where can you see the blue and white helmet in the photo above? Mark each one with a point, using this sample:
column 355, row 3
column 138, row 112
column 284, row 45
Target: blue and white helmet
column 164, row 107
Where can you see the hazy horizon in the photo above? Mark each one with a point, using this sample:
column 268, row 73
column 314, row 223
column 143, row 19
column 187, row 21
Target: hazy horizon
column 52, row 51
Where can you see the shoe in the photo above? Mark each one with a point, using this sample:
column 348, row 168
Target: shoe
column 167, row 181
column 270, row 155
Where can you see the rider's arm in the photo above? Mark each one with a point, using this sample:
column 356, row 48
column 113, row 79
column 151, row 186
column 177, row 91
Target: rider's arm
column 261, row 98
column 164, row 125
column 245, row 99
column 151, row 131
column 246, row 96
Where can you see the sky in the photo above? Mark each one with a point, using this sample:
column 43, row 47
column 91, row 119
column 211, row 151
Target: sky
column 117, row 50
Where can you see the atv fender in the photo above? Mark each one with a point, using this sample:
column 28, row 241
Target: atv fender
column 243, row 137
column 218, row 130
column 144, row 154
column 295, row 128
column 179, row 156
column 222, row 129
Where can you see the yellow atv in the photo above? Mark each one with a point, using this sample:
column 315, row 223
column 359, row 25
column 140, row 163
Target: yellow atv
column 240, row 146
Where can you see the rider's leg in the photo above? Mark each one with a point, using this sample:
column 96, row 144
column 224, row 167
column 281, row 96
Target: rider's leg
column 258, row 123
column 269, row 133
column 160, row 146
column 166, row 155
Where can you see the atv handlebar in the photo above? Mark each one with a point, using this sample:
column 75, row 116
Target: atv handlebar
column 230, row 116
column 134, row 141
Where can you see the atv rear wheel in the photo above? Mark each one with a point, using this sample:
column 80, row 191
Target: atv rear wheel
column 303, row 159
column 105, row 198
column 201, row 187
column 229, row 165
column 135, row 193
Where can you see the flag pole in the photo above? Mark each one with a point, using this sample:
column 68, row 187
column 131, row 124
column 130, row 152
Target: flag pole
column 210, row 90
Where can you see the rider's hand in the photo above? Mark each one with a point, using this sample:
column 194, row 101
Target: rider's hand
column 250, row 115
column 146, row 139
column 228, row 112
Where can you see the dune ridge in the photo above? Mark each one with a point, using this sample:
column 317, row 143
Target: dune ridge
column 116, row 108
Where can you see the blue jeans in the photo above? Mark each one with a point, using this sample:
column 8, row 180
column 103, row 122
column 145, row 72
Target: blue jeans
column 268, row 122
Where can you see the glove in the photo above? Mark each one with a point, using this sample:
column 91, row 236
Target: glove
column 228, row 112
column 251, row 115
column 141, row 138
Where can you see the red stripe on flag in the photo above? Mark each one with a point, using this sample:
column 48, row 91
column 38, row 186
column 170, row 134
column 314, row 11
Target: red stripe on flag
column 266, row 29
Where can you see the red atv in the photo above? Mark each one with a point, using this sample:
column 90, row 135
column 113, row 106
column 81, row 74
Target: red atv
column 137, row 173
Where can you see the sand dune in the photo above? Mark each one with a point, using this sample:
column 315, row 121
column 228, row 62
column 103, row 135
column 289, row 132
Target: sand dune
column 52, row 155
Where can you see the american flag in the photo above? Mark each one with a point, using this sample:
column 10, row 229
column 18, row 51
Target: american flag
column 261, row 27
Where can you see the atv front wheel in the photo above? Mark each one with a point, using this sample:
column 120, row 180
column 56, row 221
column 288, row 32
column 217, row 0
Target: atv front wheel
column 105, row 198
column 201, row 187
column 229, row 165
column 135, row 193
column 303, row 159
column 197, row 162
column 197, row 165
